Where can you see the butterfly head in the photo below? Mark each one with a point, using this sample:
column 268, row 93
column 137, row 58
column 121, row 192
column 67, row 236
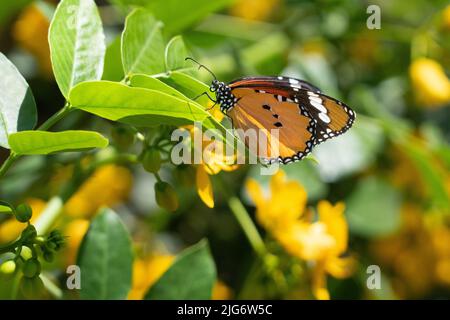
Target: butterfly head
column 225, row 98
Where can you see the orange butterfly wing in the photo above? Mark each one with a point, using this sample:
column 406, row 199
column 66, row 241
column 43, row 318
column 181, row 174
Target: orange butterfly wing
column 285, row 134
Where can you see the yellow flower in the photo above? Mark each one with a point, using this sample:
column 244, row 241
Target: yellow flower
column 221, row 291
column 108, row 186
column 322, row 242
column 75, row 231
column 214, row 160
column 254, row 9
column 286, row 204
column 146, row 272
column 31, row 32
column 430, row 83
column 446, row 18
column 11, row 229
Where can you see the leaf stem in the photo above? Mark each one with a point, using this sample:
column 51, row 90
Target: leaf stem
column 44, row 127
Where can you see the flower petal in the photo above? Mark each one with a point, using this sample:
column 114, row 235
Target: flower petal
column 204, row 187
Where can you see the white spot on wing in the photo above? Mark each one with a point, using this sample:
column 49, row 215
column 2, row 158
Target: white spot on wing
column 324, row 117
column 319, row 107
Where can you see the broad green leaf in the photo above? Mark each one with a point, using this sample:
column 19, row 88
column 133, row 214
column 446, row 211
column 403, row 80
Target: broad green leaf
column 191, row 276
column 189, row 86
column 176, row 54
column 17, row 105
column 142, row 44
column 77, row 43
column 42, row 142
column 113, row 70
column 144, row 81
column 373, row 209
column 105, row 258
column 136, row 106
column 178, row 15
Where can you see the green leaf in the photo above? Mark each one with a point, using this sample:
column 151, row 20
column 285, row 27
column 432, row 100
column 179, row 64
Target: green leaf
column 17, row 106
column 176, row 54
column 142, row 44
column 42, row 142
column 189, row 86
column 113, row 70
column 191, row 276
column 144, row 81
column 105, row 258
column 373, row 209
column 178, row 15
column 77, row 43
column 136, row 106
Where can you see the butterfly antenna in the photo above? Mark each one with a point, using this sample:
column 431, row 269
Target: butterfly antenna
column 201, row 66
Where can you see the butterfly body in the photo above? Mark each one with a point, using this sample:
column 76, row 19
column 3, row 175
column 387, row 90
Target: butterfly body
column 302, row 114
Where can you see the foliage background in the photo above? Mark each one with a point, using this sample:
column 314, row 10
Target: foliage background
column 391, row 170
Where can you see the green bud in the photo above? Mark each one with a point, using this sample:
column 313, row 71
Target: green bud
column 29, row 233
column 23, row 212
column 123, row 136
column 151, row 160
column 32, row 287
column 8, row 267
column 166, row 196
column 26, row 253
column 31, row 268
column 48, row 256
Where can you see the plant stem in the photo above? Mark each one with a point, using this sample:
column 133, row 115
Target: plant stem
column 45, row 126
column 244, row 220
column 50, row 122
column 247, row 225
column 8, row 163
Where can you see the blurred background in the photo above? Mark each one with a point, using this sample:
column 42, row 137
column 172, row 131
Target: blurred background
column 389, row 175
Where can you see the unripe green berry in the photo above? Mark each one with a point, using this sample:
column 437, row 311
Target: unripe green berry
column 8, row 267
column 166, row 196
column 23, row 212
column 31, row 268
column 151, row 160
column 26, row 253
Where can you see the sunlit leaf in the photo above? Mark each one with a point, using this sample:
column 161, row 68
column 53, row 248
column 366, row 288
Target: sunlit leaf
column 105, row 258
column 77, row 43
column 136, row 106
column 113, row 70
column 17, row 106
column 142, row 44
column 176, row 54
column 191, row 276
column 42, row 142
column 178, row 15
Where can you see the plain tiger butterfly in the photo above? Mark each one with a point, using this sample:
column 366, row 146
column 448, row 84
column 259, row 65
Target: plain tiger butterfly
column 303, row 115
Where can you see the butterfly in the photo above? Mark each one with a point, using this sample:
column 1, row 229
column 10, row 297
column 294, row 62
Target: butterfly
column 303, row 115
